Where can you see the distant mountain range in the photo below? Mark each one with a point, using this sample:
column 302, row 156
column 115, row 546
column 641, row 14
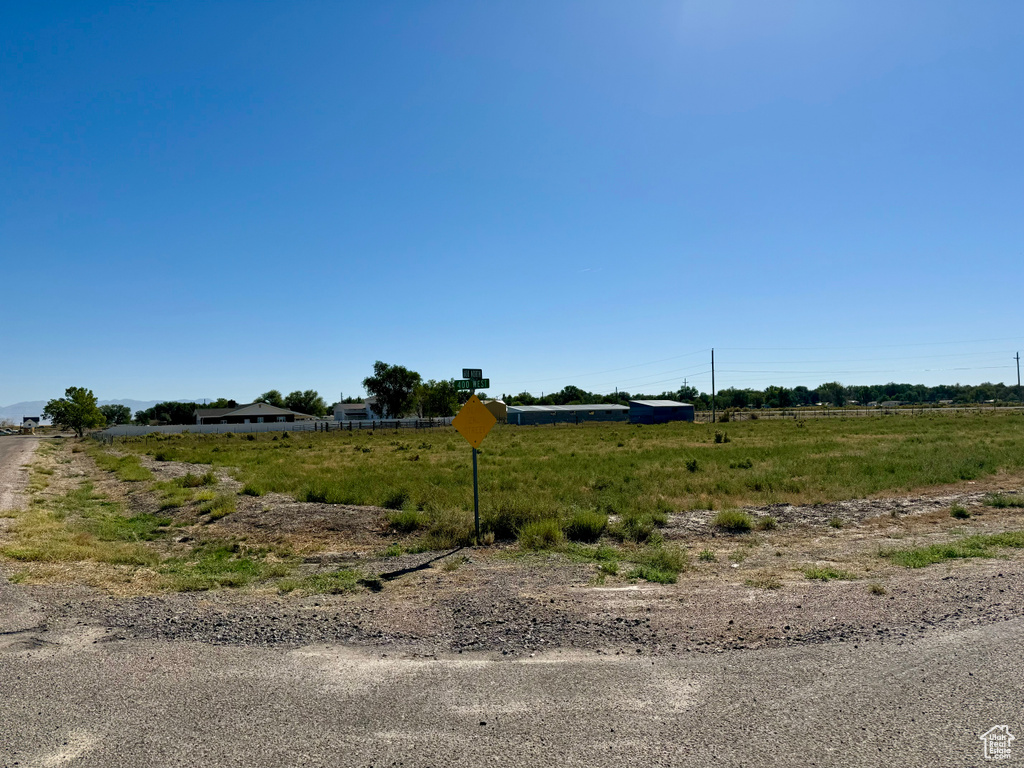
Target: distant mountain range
column 17, row 411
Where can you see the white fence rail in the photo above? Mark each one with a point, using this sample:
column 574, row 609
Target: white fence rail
column 131, row 430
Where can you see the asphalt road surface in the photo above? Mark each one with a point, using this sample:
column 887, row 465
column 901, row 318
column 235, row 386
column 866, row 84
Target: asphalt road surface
column 73, row 695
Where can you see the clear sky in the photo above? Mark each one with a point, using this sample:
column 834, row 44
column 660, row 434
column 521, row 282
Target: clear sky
column 214, row 199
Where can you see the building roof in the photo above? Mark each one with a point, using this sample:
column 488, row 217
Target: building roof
column 210, row 413
column 569, row 408
column 249, row 409
column 659, row 403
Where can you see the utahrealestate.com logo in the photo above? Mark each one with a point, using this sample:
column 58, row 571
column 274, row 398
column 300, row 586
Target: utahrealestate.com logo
column 997, row 742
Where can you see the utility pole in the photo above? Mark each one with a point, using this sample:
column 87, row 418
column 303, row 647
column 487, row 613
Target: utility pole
column 712, row 385
column 1017, row 358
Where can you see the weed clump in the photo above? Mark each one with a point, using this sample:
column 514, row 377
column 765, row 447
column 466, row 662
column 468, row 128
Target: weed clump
column 661, row 564
column 959, row 512
column 707, row 556
column 691, row 465
column 733, row 521
column 1002, row 500
column 586, row 525
column 545, row 533
column 828, row 573
column 406, row 521
column 189, row 480
column 767, row 523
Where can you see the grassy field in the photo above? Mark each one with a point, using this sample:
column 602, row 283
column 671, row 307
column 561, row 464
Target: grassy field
column 536, row 473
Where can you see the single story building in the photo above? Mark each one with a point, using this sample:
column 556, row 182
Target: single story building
column 252, row 413
column 659, row 411
column 565, row 414
column 356, row 411
column 29, row 424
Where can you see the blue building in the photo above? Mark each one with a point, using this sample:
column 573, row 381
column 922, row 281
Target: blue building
column 659, row 411
column 524, row 415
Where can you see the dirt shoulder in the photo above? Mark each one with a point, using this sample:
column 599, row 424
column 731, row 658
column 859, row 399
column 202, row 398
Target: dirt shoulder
column 740, row 591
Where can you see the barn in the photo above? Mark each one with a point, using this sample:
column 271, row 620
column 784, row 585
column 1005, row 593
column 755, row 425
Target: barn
column 524, row 415
column 659, row 411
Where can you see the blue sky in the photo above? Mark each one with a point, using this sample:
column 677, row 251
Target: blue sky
column 214, row 199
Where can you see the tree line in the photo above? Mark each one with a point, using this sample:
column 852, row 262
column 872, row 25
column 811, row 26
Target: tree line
column 830, row 393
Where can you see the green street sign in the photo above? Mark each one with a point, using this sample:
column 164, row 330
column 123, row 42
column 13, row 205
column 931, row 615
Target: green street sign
column 472, row 383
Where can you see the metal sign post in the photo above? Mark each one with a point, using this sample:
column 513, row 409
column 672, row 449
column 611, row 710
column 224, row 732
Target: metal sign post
column 473, row 422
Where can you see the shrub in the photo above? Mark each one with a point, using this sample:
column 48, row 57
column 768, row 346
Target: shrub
column 586, row 525
column 725, row 416
column 250, row 436
column 741, row 464
column 733, row 521
column 721, row 437
column 959, row 512
column 691, row 465
column 540, row 534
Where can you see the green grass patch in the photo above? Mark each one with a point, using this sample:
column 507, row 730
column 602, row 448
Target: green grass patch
column 828, row 573
column 540, row 534
column 407, row 521
column 127, row 468
column 328, row 583
column 980, row 545
column 959, row 512
column 660, row 564
column 216, row 564
column 585, row 525
column 218, row 507
column 1002, row 500
column 733, row 521
column 190, row 480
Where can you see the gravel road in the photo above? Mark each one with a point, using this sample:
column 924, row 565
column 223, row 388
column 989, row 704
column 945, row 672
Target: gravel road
column 15, row 451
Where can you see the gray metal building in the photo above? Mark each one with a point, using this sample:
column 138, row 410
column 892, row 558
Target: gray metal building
column 565, row 414
column 659, row 411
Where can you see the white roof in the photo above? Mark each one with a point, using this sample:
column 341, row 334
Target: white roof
column 569, row 408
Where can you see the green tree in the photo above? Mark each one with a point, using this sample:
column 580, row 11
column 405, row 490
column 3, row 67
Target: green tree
column 77, row 410
column 116, row 414
column 437, row 399
column 171, row 412
column 394, row 386
column 273, row 397
column 308, row 402
column 832, row 392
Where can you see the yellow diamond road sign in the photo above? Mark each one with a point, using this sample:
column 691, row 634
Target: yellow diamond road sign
column 474, row 421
